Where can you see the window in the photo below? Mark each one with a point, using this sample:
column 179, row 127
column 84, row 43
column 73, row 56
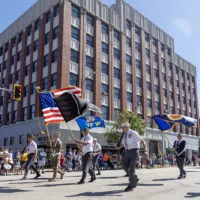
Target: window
column 48, row 17
column 139, row 100
column 11, row 78
column 15, row 116
column 29, row 30
column 19, row 56
column 5, row 64
column 75, row 11
column 74, row 56
column 34, row 69
column 116, row 93
column 149, row 122
column 137, row 46
column 138, row 64
column 13, row 60
column 33, row 86
column 157, row 107
column 148, row 86
column 137, row 30
column 128, row 59
column 73, row 79
column 138, row 82
column 128, row 42
column 17, row 75
column 104, row 68
column 116, row 35
column 129, row 78
column 24, row 113
column 6, row 47
column 27, row 70
column 148, row 69
column 149, row 103
column 89, row 62
column 13, row 42
column 8, row 117
column 12, row 140
column 104, row 29
column 32, row 111
column 5, row 143
column 129, row 97
column 28, row 50
column 155, row 73
column 163, row 76
column 90, row 20
column 35, row 45
column 104, row 89
column 146, row 37
column 20, row 37
column 25, row 92
column 164, row 92
column 1, row 51
column 155, row 57
column 46, row 38
column 37, row 24
column 147, row 51
column 89, row 85
column 117, row 53
column 45, row 83
column 90, row 40
column 105, row 48
column 128, row 25
column 117, row 73
column 162, row 47
column 116, row 114
column 55, row 33
column 21, row 139
column 55, row 56
column 46, row 60
column 104, row 110
column 171, row 95
column 53, row 79
column 56, row 11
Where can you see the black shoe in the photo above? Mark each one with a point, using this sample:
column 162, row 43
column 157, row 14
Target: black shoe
column 180, row 177
column 98, row 174
column 37, row 176
column 24, row 178
column 128, row 189
column 126, row 175
column 81, row 182
column 184, row 176
column 137, row 180
column 92, row 179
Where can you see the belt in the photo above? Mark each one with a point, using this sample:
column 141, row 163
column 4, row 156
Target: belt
column 87, row 152
column 134, row 149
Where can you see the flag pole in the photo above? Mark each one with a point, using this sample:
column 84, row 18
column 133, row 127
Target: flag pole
column 48, row 135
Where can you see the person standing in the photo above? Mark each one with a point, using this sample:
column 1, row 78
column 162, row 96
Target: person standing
column 32, row 152
column 96, row 153
column 69, row 159
column 86, row 145
column 179, row 148
column 131, row 142
column 74, row 160
column 41, row 159
column 55, row 157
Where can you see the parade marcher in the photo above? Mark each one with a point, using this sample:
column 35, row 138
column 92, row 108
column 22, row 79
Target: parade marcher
column 42, row 159
column 55, row 157
column 179, row 148
column 86, row 145
column 131, row 142
column 96, row 153
column 32, row 151
column 123, row 155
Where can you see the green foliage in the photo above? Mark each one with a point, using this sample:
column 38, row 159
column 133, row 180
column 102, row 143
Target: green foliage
column 136, row 123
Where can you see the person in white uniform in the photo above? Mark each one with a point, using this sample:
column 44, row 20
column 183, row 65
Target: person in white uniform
column 86, row 145
column 131, row 142
column 32, row 151
column 96, row 152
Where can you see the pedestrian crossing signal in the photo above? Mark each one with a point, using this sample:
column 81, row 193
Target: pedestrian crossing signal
column 17, row 92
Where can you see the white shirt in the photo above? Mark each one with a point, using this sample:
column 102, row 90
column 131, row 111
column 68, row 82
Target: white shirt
column 96, row 148
column 32, row 147
column 89, row 147
column 131, row 140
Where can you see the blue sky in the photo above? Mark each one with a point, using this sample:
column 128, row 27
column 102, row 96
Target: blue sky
column 179, row 18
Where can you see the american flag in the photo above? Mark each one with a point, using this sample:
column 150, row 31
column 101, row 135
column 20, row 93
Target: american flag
column 50, row 110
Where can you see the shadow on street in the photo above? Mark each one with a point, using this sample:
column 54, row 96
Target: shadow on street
column 11, row 190
column 192, row 195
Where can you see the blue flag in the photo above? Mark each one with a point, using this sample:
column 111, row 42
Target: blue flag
column 168, row 121
column 90, row 122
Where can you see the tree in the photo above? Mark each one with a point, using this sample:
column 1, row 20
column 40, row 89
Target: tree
column 136, row 123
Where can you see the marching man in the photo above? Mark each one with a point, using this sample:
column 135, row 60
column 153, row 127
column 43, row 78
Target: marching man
column 55, row 157
column 86, row 145
column 131, row 142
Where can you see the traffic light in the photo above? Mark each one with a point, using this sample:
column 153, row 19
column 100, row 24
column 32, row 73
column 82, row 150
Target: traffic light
column 17, row 92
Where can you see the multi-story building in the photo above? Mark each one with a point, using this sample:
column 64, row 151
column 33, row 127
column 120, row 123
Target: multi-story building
column 120, row 59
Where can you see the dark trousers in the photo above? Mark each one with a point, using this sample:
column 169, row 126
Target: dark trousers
column 180, row 164
column 87, row 166
column 125, row 167
column 30, row 163
column 96, row 163
column 131, row 157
